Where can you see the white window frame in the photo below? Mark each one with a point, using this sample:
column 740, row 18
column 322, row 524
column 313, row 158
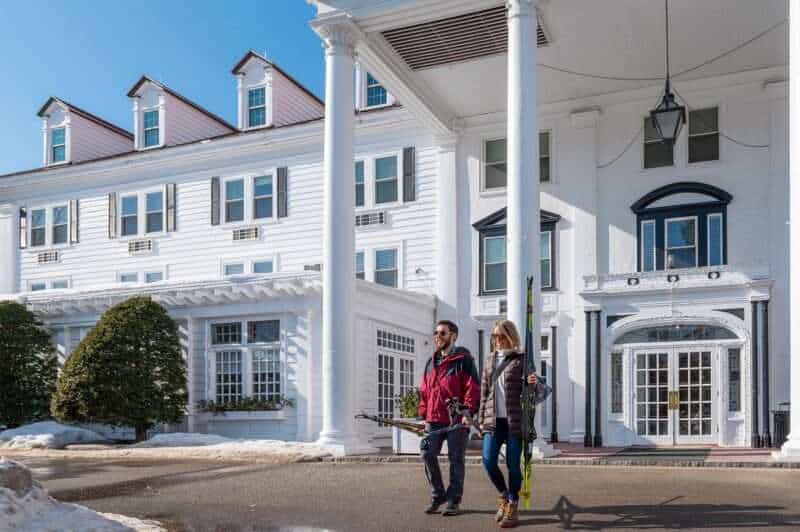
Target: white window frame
column 364, row 261
column 397, row 356
column 273, row 259
column 246, row 349
column 370, row 188
column 65, row 280
column 48, row 284
column 249, row 199
column 122, row 274
column 163, row 274
column 721, row 238
column 364, row 165
column 156, row 109
column 655, row 245
column 666, row 241
column 502, row 190
column 718, row 132
column 141, row 212
column 675, row 149
column 272, row 197
column 248, row 107
column 32, row 284
column 397, row 265
column 551, row 269
column 367, row 86
column 226, row 264
column 53, row 146
column 483, row 265
column 550, row 156
column 48, row 226
column 398, row 157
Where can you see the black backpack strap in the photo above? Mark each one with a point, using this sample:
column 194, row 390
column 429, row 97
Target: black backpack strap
column 496, row 372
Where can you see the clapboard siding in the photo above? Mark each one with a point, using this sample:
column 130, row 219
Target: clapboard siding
column 91, row 141
column 290, row 104
column 184, row 123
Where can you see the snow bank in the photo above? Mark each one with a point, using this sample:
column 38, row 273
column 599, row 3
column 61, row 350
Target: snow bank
column 219, row 446
column 46, row 435
column 35, row 511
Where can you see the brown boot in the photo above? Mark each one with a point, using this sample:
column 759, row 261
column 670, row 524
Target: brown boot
column 502, row 501
column 511, row 517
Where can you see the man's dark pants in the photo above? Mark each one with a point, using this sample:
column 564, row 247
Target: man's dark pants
column 456, row 450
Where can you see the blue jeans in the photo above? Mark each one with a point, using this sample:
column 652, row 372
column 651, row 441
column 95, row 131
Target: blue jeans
column 492, row 441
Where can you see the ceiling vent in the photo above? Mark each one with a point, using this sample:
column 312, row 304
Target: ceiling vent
column 456, row 39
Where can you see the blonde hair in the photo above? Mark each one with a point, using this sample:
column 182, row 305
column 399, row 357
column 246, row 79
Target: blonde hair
column 509, row 330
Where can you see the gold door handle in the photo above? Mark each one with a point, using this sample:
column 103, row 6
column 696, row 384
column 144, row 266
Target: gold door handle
column 673, row 400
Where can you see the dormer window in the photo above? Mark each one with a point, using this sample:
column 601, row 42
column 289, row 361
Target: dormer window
column 58, row 145
column 376, row 93
column 151, row 126
column 256, row 107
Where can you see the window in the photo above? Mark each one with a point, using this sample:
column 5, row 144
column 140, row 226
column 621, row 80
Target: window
column 681, row 247
column 616, row 383
column 129, row 277
column 406, row 376
column 360, row 265
column 703, row 135
column 248, row 365
column 38, row 287
column 386, row 179
column 714, row 239
column 59, row 284
column 543, row 409
column 386, row 272
column 154, row 204
column 233, row 269
column 656, row 152
column 734, row 380
column 58, row 145
column 494, row 268
column 682, row 225
column 359, row 183
column 60, row 224
column 675, row 333
column 262, row 266
column 546, row 258
column 262, row 197
column 376, row 94
column 494, row 164
column 153, row 277
column 234, row 200
column 648, row 258
column 394, row 341
column 385, row 386
column 544, row 343
column 38, row 227
column 256, row 107
column 544, row 156
column 151, row 129
column 130, row 219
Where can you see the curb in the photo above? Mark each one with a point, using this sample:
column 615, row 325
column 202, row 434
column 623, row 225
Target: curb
column 618, row 462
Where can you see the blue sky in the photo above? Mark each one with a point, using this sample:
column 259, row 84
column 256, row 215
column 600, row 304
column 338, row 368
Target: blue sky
column 91, row 52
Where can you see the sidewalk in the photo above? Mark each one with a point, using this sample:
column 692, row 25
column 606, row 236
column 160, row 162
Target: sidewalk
column 577, row 454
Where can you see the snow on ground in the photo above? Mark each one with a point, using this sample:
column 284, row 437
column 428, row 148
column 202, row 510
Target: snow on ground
column 212, row 446
column 46, row 435
column 35, row 511
column 183, row 439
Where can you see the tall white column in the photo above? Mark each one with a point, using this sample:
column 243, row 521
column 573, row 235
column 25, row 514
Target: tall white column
column 9, row 253
column 523, row 222
column 791, row 449
column 447, row 273
column 338, row 267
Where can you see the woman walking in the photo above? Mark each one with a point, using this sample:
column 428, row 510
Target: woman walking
column 500, row 417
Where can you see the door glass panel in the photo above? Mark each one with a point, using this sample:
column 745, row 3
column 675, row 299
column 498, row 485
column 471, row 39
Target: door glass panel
column 694, row 412
column 651, row 396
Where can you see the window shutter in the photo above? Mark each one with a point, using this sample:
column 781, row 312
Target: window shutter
column 283, row 203
column 215, row 201
column 23, row 228
column 171, row 214
column 73, row 221
column 409, row 177
column 112, row 215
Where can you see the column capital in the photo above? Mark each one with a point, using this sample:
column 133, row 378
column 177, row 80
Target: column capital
column 521, row 8
column 339, row 34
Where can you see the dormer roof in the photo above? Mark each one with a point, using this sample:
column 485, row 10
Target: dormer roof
column 146, row 79
column 84, row 114
column 253, row 55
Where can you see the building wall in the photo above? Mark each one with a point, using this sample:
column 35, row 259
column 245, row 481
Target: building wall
column 91, row 141
column 290, row 104
column 184, row 123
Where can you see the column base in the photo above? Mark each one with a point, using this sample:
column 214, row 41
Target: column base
column 598, row 441
column 542, row 449
column 790, row 452
column 341, row 445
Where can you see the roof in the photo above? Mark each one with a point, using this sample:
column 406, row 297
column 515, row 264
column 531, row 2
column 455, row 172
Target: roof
column 255, row 55
column 85, row 114
column 145, row 79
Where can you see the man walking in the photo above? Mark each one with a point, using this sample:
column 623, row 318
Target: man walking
column 449, row 374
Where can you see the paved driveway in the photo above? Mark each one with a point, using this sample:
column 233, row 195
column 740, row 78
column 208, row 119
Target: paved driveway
column 203, row 496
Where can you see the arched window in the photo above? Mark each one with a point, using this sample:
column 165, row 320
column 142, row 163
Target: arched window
column 675, row 333
column 682, row 225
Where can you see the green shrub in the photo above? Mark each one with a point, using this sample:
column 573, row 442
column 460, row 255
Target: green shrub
column 128, row 371
column 408, row 403
column 28, row 366
column 248, row 404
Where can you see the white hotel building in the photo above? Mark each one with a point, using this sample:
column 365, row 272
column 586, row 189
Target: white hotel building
column 307, row 250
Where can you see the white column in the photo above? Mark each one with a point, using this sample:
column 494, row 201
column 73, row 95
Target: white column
column 137, row 133
column 447, row 272
column 241, row 118
column 9, row 254
column 338, row 267
column 523, row 223
column 791, row 449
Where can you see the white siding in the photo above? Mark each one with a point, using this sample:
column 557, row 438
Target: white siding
column 290, row 104
column 91, row 141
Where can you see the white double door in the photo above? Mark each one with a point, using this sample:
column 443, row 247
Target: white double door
column 675, row 399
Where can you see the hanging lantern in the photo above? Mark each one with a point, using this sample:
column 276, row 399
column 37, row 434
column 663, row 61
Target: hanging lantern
column 668, row 117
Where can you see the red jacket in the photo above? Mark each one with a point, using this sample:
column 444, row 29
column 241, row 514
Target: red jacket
column 454, row 376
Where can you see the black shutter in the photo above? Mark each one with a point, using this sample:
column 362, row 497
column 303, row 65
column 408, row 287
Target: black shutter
column 409, row 176
column 112, row 215
column 171, row 215
column 215, row 201
column 23, row 228
column 73, row 221
column 282, row 192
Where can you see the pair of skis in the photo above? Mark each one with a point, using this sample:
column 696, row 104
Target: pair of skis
column 529, row 402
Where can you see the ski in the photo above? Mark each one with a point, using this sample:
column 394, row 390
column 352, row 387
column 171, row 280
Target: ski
column 528, row 403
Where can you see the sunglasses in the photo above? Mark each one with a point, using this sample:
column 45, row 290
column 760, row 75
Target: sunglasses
column 441, row 333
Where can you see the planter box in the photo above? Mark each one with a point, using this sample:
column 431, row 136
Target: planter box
column 404, row 442
column 247, row 415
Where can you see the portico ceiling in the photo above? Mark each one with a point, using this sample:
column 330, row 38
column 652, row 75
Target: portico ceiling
column 612, row 38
